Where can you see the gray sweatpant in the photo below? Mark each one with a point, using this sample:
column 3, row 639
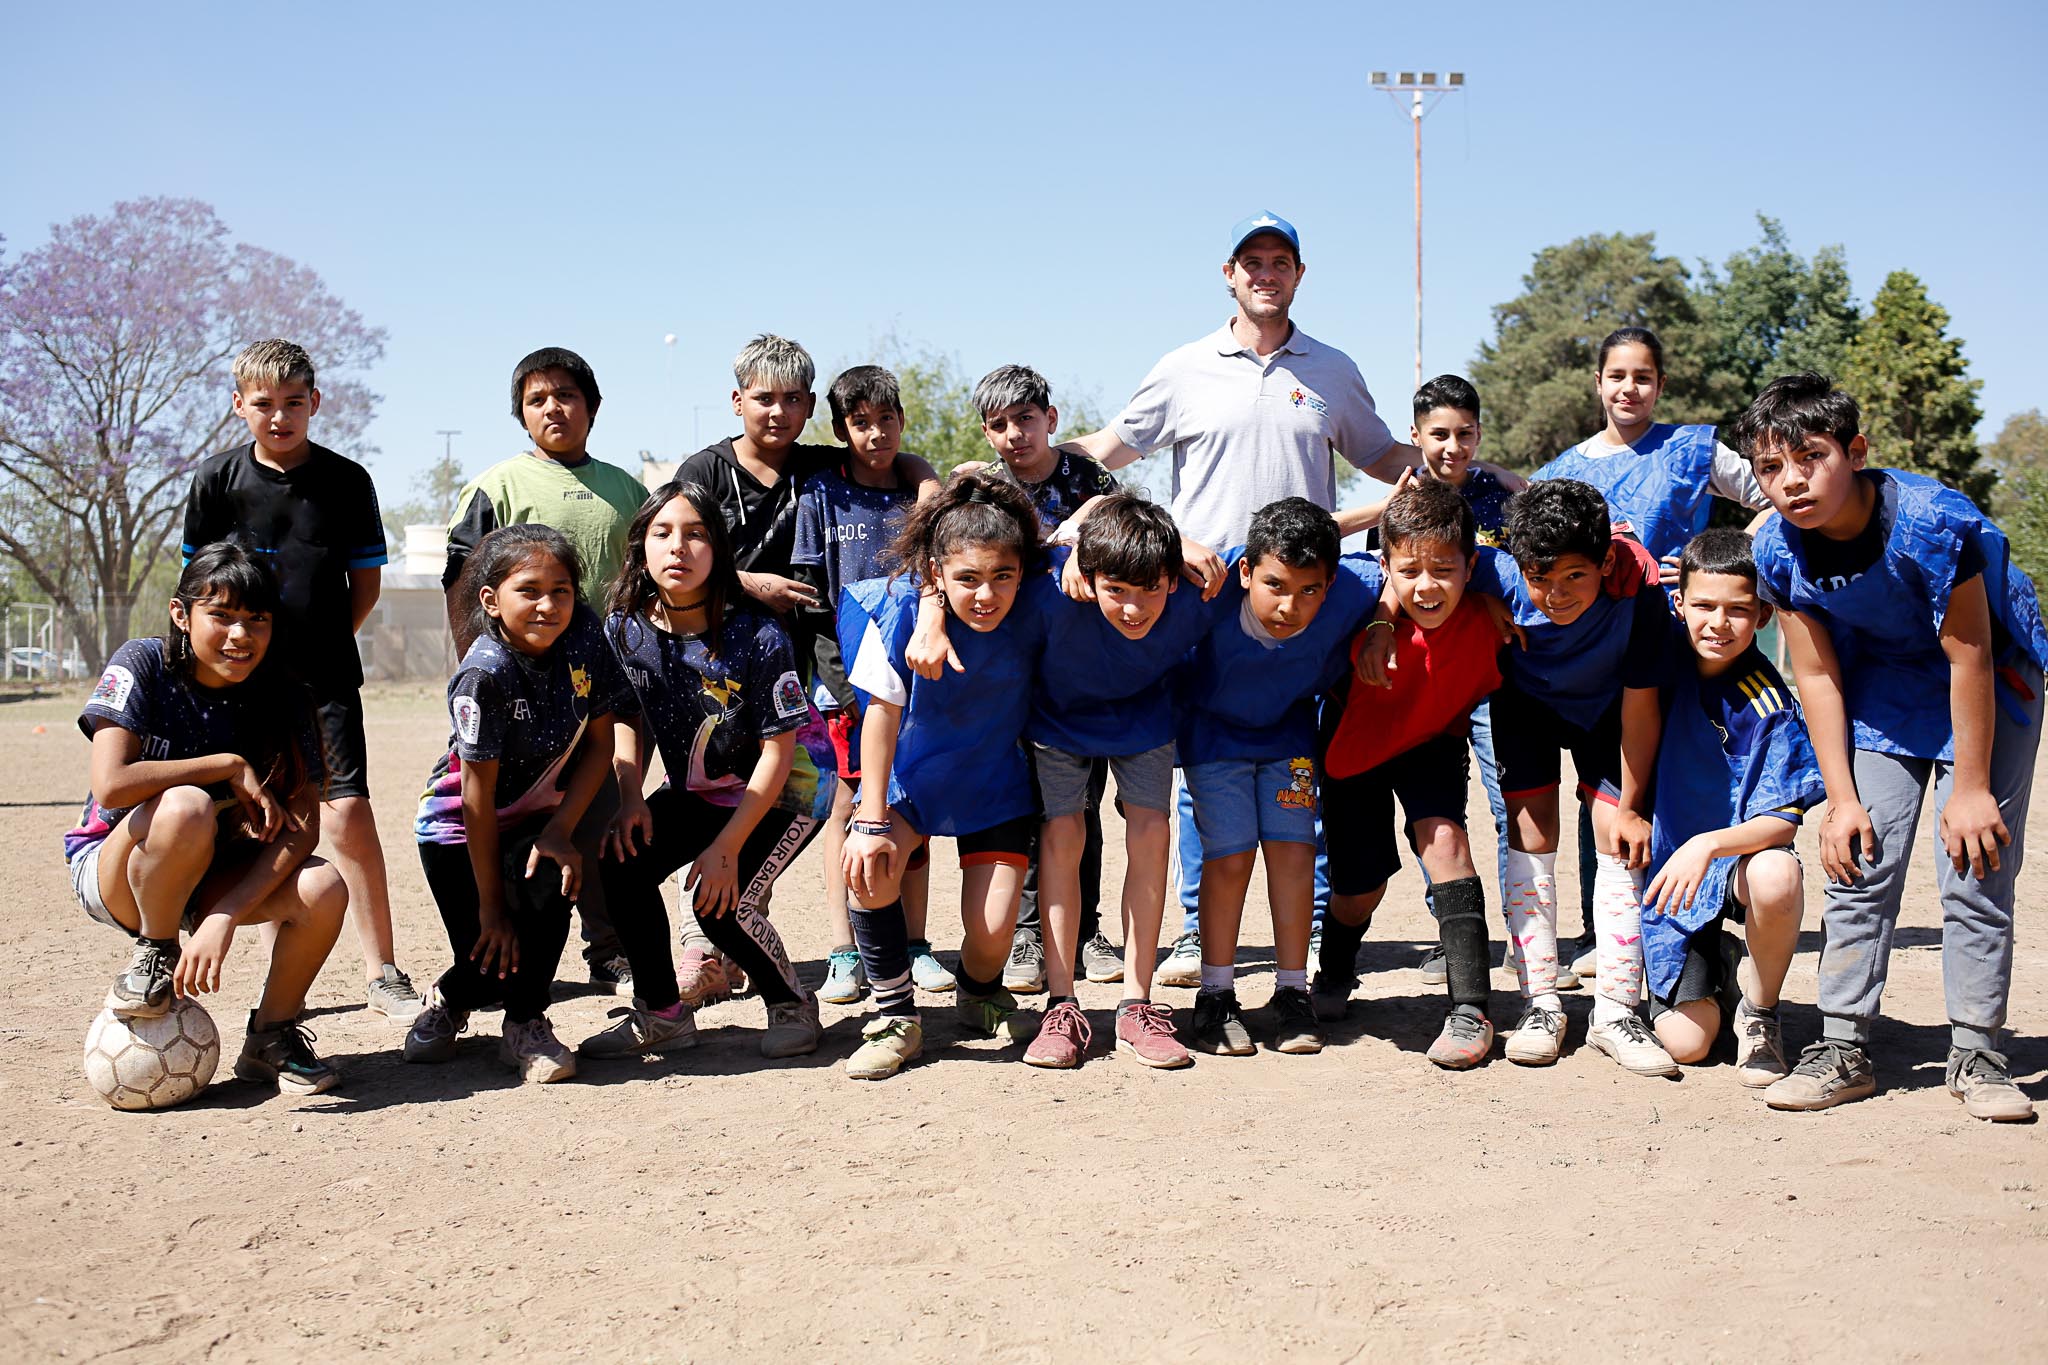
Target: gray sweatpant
column 1976, row 915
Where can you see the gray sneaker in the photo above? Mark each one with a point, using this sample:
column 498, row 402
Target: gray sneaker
column 1434, row 972
column 531, row 1049
column 392, row 995
column 927, row 973
column 434, row 1029
column 793, row 1028
column 640, row 1031
column 1759, row 1047
column 144, row 990
column 1100, row 961
column 1183, row 965
column 1025, row 971
column 1828, row 1073
column 1981, row 1079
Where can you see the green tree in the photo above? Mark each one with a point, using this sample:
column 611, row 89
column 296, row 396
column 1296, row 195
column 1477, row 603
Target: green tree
column 1919, row 404
column 2020, row 455
column 434, row 491
column 2021, row 444
column 1768, row 311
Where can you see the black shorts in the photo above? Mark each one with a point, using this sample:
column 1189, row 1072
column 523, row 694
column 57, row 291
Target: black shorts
column 1009, row 843
column 1705, row 970
column 341, row 740
column 1358, row 812
column 1530, row 739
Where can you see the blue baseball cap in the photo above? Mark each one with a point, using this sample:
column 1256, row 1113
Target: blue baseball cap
column 1264, row 222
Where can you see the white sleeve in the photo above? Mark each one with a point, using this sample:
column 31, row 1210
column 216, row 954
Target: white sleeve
column 1733, row 479
column 872, row 672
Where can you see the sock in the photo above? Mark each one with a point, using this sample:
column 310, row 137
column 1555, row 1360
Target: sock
column 1461, row 928
column 885, row 957
column 1618, row 928
column 1052, row 1000
column 976, row 986
column 1291, row 981
column 1128, row 1005
column 1531, row 913
column 1218, row 978
column 674, row 1011
column 1339, row 958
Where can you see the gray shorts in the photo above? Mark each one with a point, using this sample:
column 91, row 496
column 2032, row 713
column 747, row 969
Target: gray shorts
column 85, row 884
column 1144, row 780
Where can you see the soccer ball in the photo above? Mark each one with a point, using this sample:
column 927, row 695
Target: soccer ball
column 152, row 1063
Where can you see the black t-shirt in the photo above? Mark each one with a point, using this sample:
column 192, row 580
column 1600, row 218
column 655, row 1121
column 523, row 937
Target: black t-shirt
column 761, row 517
column 1833, row 564
column 316, row 522
column 1074, row 480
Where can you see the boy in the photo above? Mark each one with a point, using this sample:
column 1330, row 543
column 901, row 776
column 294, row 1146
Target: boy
column 1278, row 630
column 1408, row 741
column 314, row 514
column 845, row 517
column 1735, row 772
column 560, row 484
column 1918, row 646
column 1102, row 699
column 1597, row 628
column 1018, row 420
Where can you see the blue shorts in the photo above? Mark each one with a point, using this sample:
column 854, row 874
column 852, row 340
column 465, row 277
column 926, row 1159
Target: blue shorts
column 1241, row 803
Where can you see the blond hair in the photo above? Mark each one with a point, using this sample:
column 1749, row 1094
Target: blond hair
column 776, row 361
column 272, row 364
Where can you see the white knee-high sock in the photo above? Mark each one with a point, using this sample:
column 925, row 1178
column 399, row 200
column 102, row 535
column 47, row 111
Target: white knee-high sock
column 1618, row 927
column 1531, row 912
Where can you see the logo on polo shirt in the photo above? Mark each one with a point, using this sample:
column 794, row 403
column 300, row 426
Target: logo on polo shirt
column 1302, row 398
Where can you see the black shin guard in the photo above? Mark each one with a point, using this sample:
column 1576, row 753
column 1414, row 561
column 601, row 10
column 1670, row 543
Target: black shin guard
column 1340, row 946
column 1461, row 928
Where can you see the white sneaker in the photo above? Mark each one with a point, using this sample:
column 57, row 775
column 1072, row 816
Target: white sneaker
column 1538, row 1038
column 1630, row 1043
column 1183, row 965
column 1759, row 1048
column 532, row 1050
column 392, row 995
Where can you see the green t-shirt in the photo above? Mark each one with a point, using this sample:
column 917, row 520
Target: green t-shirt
column 591, row 503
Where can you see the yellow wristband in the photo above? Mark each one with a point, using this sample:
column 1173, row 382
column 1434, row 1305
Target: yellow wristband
column 1370, row 624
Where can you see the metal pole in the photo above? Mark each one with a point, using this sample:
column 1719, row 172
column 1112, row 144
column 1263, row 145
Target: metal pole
column 1415, row 115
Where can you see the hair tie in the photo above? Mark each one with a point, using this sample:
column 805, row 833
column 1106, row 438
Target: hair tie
column 979, row 493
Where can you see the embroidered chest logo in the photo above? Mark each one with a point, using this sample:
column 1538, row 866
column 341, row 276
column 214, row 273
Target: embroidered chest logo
column 1302, row 398
column 1300, row 791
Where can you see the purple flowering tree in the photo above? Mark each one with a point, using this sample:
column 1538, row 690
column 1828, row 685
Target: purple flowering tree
column 116, row 338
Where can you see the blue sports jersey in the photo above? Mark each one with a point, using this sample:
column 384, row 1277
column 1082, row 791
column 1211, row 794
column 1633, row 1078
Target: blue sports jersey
column 1101, row 694
column 1246, row 699
column 1661, row 491
column 1886, row 624
column 1579, row 669
column 843, row 527
column 1734, row 747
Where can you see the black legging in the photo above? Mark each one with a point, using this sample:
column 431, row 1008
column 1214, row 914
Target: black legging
column 684, row 826
column 540, row 921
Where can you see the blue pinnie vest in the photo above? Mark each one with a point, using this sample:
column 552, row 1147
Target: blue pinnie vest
column 1661, row 490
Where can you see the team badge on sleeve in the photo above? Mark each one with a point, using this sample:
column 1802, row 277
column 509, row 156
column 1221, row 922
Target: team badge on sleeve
column 114, row 688
column 789, row 697
column 468, row 718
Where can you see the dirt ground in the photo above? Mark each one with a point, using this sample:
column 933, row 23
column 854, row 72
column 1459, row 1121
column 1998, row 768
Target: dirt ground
column 1359, row 1204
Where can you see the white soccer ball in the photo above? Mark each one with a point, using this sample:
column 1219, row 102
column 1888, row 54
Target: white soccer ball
column 152, row 1063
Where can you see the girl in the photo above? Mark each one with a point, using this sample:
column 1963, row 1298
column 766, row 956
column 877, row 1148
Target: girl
column 204, row 810
column 942, row 757
column 536, row 681
column 713, row 679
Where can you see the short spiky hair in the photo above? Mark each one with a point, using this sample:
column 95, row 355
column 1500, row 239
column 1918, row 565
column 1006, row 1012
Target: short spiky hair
column 1791, row 409
column 554, row 358
column 1718, row 549
column 1130, row 538
column 778, row 361
column 1447, row 391
column 1552, row 518
column 269, row 364
column 869, row 384
column 1008, row 385
column 1296, row 532
column 1429, row 511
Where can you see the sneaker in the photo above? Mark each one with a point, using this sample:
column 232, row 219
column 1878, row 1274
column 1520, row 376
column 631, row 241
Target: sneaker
column 1585, row 965
column 993, row 1016
column 1568, row 976
column 434, row 1029
column 1980, row 1079
column 1630, row 1043
column 613, row 975
column 640, row 1031
column 1434, row 972
column 1100, row 960
column 1759, row 1047
column 927, row 973
column 392, row 995
column 531, row 1049
column 1538, row 1037
column 1183, row 965
column 1331, row 995
column 701, row 978
column 1025, row 971
column 1063, row 1038
column 1145, row 1030
column 1296, row 1028
column 284, row 1055
column 1315, row 940
column 735, row 975
column 1466, row 1038
column 1827, row 1073
column 793, row 1028
column 886, row 1044
column 1218, row 1025
column 144, row 990
column 845, row 981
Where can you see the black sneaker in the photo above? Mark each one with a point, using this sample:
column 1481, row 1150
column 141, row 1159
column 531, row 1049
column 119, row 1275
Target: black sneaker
column 284, row 1055
column 613, row 974
column 144, row 990
column 1295, row 1026
column 1218, row 1026
column 1331, row 995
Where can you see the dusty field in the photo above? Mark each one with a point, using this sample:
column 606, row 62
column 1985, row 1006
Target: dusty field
column 1356, row 1205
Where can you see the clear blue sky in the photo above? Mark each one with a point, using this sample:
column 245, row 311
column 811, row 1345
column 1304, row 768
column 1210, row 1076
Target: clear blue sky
column 1051, row 184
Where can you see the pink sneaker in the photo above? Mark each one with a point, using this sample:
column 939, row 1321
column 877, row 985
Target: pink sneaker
column 700, row 977
column 1063, row 1038
column 1146, row 1032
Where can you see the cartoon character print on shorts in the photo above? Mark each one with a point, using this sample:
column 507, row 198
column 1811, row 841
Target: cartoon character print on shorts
column 1300, row 791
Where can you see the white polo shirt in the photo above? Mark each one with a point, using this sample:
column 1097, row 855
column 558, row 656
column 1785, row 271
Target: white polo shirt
column 1247, row 432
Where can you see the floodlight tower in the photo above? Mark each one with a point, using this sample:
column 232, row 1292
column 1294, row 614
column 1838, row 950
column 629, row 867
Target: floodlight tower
column 1424, row 94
